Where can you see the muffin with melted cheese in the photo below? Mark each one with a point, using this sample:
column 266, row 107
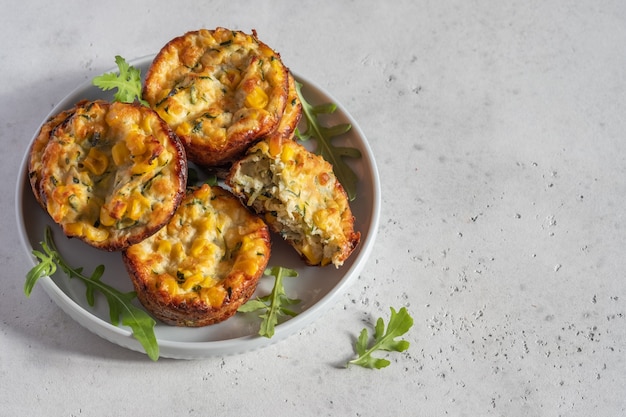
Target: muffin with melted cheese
column 220, row 90
column 299, row 197
column 111, row 174
column 204, row 264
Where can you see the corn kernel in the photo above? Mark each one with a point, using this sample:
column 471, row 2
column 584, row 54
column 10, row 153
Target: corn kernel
column 135, row 143
column 58, row 205
column 167, row 284
column 275, row 143
column 74, row 229
column 143, row 167
column 138, row 205
column 146, row 125
column 167, row 118
column 287, row 154
column 268, row 52
column 105, row 217
column 118, row 209
column 201, row 248
column 205, row 224
column 114, row 119
column 214, row 295
column 172, row 228
column 327, row 220
column 257, row 98
column 178, row 252
column 164, row 247
column 57, row 211
column 183, row 129
column 204, row 192
column 247, row 266
column 120, row 153
column 192, row 281
column 172, row 113
column 320, row 217
column 309, row 252
column 95, row 234
column 96, row 161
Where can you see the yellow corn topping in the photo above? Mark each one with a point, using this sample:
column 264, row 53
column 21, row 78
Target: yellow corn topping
column 164, row 247
column 95, row 234
column 308, row 251
column 135, row 142
column 275, row 144
column 96, row 161
column 167, row 283
column 321, row 217
column 146, row 125
column 192, row 281
column 105, row 217
column 257, row 98
column 248, row 266
column 138, row 206
column 74, row 229
column 118, row 208
column 120, row 153
column 202, row 248
column 178, row 252
column 183, row 129
column 287, row 154
column 143, row 167
column 215, row 295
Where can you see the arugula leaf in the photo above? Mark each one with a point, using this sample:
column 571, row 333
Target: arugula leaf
column 399, row 324
column 274, row 304
column 127, row 82
column 194, row 178
column 324, row 136
column 120, row 304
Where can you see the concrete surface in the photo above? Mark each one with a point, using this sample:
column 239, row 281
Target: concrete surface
column 498, row 129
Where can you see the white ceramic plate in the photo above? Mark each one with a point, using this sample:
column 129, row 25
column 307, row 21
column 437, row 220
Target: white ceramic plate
column 316, row 287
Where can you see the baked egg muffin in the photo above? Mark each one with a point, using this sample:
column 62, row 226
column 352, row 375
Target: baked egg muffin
column 111, row 174
column 220, row 91
column 298, row 195
column 204, row 264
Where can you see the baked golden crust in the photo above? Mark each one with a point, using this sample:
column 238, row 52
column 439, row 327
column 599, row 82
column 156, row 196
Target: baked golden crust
column 220, row 90
column 204, row 264
column 37, row 149
column 112, row 174
column 299, row 197
column 293, row 110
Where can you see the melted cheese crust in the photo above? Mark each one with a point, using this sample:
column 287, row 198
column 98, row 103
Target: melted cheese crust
column 204, row 264
column 112, row 174
column 299, row 197
column 220, row 90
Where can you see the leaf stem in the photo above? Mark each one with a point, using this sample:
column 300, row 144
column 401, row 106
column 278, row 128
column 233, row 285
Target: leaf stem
column 323, row 137
column 120, row 304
